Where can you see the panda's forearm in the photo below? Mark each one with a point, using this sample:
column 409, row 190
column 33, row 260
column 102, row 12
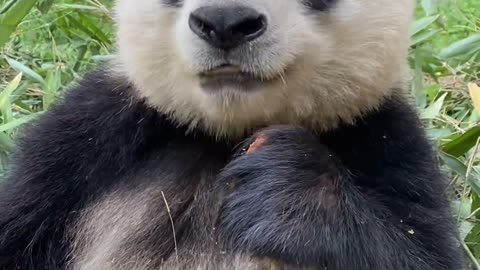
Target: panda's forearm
column 338, row 228
column 296, row 202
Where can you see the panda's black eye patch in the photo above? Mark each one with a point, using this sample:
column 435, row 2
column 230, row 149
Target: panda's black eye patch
column 172, row 3
column 319, row 5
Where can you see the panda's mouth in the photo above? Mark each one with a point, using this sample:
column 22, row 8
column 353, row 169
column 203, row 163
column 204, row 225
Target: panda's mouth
column 230, row 76
column 223, row 70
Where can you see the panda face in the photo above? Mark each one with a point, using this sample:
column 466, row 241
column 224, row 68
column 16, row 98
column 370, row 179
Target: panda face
column 227, row 66
column 244, row 45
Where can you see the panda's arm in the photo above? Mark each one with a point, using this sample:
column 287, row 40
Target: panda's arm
column 367, row 197
column 71, row 154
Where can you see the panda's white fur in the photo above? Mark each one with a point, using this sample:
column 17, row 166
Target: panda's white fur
column 320, row 68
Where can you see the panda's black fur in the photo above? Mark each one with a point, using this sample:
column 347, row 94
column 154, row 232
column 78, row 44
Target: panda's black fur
column 361, row 197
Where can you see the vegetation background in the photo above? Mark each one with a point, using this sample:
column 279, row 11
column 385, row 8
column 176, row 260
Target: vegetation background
column 47, row 44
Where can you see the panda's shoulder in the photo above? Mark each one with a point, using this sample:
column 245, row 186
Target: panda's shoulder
column 100, row 101
column 98, row 92
column 96, row 117
column 391, row 136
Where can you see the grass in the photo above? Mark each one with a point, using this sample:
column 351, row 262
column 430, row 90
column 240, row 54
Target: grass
column 58, row 41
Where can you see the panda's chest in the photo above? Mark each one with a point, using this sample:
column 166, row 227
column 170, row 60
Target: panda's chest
column 154, row 226
column 198, row 245
column 212, row 260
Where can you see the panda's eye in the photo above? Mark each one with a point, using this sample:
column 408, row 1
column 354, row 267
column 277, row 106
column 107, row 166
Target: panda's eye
column 173, row 3
column 319, row 5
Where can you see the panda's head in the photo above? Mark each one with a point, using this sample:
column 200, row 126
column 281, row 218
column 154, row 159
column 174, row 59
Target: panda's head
column 228, row 66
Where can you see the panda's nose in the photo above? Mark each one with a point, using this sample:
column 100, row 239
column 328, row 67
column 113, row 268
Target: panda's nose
column 227, row 27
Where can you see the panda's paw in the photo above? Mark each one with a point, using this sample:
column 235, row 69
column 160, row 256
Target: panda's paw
column 284, row 137
column 283, row 180
column 282, row 154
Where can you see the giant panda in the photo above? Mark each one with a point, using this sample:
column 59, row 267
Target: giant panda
column 235, row 134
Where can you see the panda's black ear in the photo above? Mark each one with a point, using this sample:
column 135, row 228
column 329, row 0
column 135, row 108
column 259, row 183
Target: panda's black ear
column 320, row 5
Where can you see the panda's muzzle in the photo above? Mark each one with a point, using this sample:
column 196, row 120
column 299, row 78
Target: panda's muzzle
column 226, row 28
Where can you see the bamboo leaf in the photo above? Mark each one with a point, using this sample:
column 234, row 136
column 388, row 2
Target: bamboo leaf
column 422, row 24
column 19, row 67
column 17, row 122
column 5, row 106
column 44, row 5
column 433, row 111
column 11, row 14
column 459, row 168
column 429, row 6
column 463, row 143
column 463, row 46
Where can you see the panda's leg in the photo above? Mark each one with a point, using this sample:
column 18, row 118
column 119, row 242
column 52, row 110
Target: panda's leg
column 295, row 202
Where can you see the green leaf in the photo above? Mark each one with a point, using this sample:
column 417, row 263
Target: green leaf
column 52, row 85
column 7, row 6
column 78, row 7
column 433, row 111
column 463, row 207
column 98, row 33
column 89, row 28
column 423, row 37
column 17, row 122
column 463, row 143
column 14, row 11
column 429, row 6
column 418, row 79
column 465, row 229
column 44, row 5
column 459, row 168
column 5, row 105
column 476, row 204
column 422, row 24
column 464, row 46
column 5, row 32
column 102, row 58
column 19, row 67
column 11, row 14
column 6, row 143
